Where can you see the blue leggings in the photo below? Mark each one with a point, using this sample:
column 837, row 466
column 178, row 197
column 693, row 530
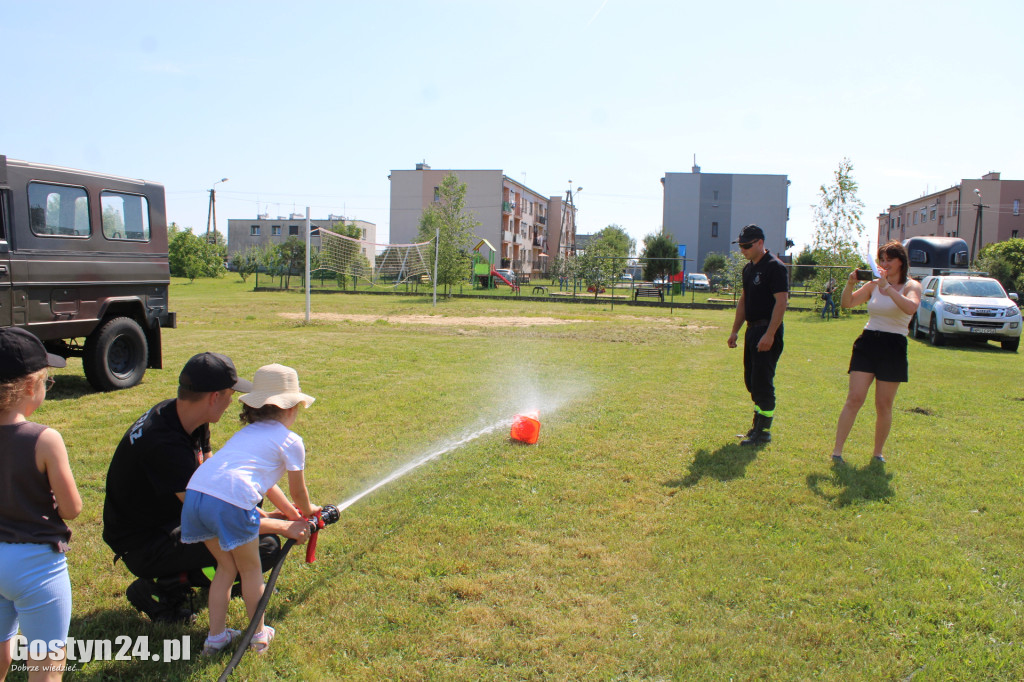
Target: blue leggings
column 35, row 592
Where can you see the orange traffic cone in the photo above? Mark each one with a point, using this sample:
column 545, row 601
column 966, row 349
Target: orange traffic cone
column 526, row 427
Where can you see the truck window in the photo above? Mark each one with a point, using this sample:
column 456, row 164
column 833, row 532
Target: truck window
column 58, row 210
column 125, row 216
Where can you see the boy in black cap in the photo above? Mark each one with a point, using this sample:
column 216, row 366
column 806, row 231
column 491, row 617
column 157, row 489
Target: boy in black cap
column 761, row 305
column 146, row 484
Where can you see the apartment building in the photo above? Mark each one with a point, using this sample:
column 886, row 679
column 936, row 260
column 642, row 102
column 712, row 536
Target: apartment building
column 706, row 211
column 528, row 229
column 954, row 212
column 246, row 232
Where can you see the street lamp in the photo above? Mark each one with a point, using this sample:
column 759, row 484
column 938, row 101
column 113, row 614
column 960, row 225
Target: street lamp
column 211, row 215
column 572, row 212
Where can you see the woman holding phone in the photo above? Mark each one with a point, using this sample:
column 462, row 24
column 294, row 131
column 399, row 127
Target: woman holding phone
column 880, row 352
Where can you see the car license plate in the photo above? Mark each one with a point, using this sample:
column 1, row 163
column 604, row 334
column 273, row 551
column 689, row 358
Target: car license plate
column 983, row 330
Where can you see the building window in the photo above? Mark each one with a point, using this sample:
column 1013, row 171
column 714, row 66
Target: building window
column 956, row 206
column 714, row 195
column 275, row 231
column 294, row 230
column 254, row 230
column 714, row 229
column 1016, row 207
column 1013, row 234
column 437, row 194
column 924, row 215
column 933, row 213
column 915, row 217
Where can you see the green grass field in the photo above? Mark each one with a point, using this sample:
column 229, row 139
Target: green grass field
column 637, row 540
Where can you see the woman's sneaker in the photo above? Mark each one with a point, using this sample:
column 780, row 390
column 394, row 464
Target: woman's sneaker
column 262, row 639
column 215, row 644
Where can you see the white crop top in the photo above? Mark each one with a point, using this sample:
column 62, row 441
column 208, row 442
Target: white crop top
column 884, row 316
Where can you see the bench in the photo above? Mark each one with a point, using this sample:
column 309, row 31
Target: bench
column 540, row 290
column 649, row 291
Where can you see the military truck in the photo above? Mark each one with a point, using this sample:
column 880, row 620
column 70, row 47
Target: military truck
column 83, row 266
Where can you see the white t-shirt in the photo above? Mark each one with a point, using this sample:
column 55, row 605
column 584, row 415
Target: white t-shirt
column 884, row 315
column 250, row 463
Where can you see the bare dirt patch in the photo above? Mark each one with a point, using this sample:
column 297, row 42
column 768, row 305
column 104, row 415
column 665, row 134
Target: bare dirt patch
column 438, row 320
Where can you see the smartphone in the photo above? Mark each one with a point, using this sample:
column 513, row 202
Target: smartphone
column 865, row 275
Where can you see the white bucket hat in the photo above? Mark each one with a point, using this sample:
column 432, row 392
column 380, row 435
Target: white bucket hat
column 276, row 385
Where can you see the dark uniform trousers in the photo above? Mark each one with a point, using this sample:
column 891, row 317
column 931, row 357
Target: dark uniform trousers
column 759, row 367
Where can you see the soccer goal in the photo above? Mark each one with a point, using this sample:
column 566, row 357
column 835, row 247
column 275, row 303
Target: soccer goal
column 382, row 265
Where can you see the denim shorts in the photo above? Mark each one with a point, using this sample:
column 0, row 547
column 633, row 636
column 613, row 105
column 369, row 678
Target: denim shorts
column 204, row 517
column 35, row 592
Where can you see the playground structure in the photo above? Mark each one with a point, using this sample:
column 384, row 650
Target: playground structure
column 484, row 274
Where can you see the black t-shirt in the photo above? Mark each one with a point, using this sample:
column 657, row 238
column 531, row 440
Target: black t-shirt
column 154, row 460
column 761, row 281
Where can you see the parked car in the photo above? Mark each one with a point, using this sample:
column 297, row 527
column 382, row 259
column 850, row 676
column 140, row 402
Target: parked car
column 698, row 281
column 967, row 306
column 507, row 274
column 626, row 277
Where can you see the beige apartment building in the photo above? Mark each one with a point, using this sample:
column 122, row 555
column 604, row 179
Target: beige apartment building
column 527, row 228
column 246, row 232
column 953, row 212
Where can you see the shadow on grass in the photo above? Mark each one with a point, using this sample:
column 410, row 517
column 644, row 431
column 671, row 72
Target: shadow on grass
column 724, row 464
column 124, row 632
column 869, row 483
column 69, row 387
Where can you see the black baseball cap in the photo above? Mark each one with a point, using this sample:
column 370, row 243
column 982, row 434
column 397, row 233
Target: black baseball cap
column 749, row 234
column 22, row 353
column 209, row 372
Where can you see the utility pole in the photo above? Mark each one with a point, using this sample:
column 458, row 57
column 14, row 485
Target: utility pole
column 978, row 232
column 211, row 214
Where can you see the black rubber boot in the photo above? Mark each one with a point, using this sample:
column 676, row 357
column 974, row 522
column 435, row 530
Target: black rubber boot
column 753, row 428
column 761, row 433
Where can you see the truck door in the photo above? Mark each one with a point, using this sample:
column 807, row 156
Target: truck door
column 5, row 260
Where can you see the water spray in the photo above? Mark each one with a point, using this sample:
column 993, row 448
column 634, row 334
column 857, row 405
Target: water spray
column 330, row 514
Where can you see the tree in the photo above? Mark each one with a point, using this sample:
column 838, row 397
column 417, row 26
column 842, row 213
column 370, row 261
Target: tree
column 619, row 243
column 661, row 256
column 1004, row 261
column 838, row 226
column 191, row 256
column 597, row 266
column 448, row 215
column 805, row 259
column 293, row 257
column 246, row 262
column 734, row 271
column 713, row 262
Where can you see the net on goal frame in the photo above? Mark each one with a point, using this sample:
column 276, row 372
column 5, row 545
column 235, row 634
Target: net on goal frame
column 394, row 265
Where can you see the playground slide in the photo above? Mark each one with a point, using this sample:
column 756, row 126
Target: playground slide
column 495, row 273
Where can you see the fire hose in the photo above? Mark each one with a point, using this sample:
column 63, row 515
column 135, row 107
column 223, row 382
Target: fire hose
column 325, row 517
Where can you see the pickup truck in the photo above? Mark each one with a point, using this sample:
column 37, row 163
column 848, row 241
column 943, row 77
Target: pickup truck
column 967, row 306
column 83, row 266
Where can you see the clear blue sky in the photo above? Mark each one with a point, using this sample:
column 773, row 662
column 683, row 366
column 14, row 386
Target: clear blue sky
column 313, row 103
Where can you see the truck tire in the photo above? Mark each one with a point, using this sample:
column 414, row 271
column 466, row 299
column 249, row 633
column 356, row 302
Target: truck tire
column 115, row 355
column 936, row 337
column 1010, row 344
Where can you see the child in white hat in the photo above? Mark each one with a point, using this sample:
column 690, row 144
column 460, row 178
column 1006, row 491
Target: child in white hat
column 221, row 499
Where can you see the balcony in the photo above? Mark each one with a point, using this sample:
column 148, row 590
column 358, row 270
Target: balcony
column 506, row 207
column 506, row 236
column 542, row 220
column 540, row 243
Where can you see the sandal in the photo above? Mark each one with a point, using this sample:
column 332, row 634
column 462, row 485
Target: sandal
column 879, row 458
column 214, row 644
column 262, row 639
